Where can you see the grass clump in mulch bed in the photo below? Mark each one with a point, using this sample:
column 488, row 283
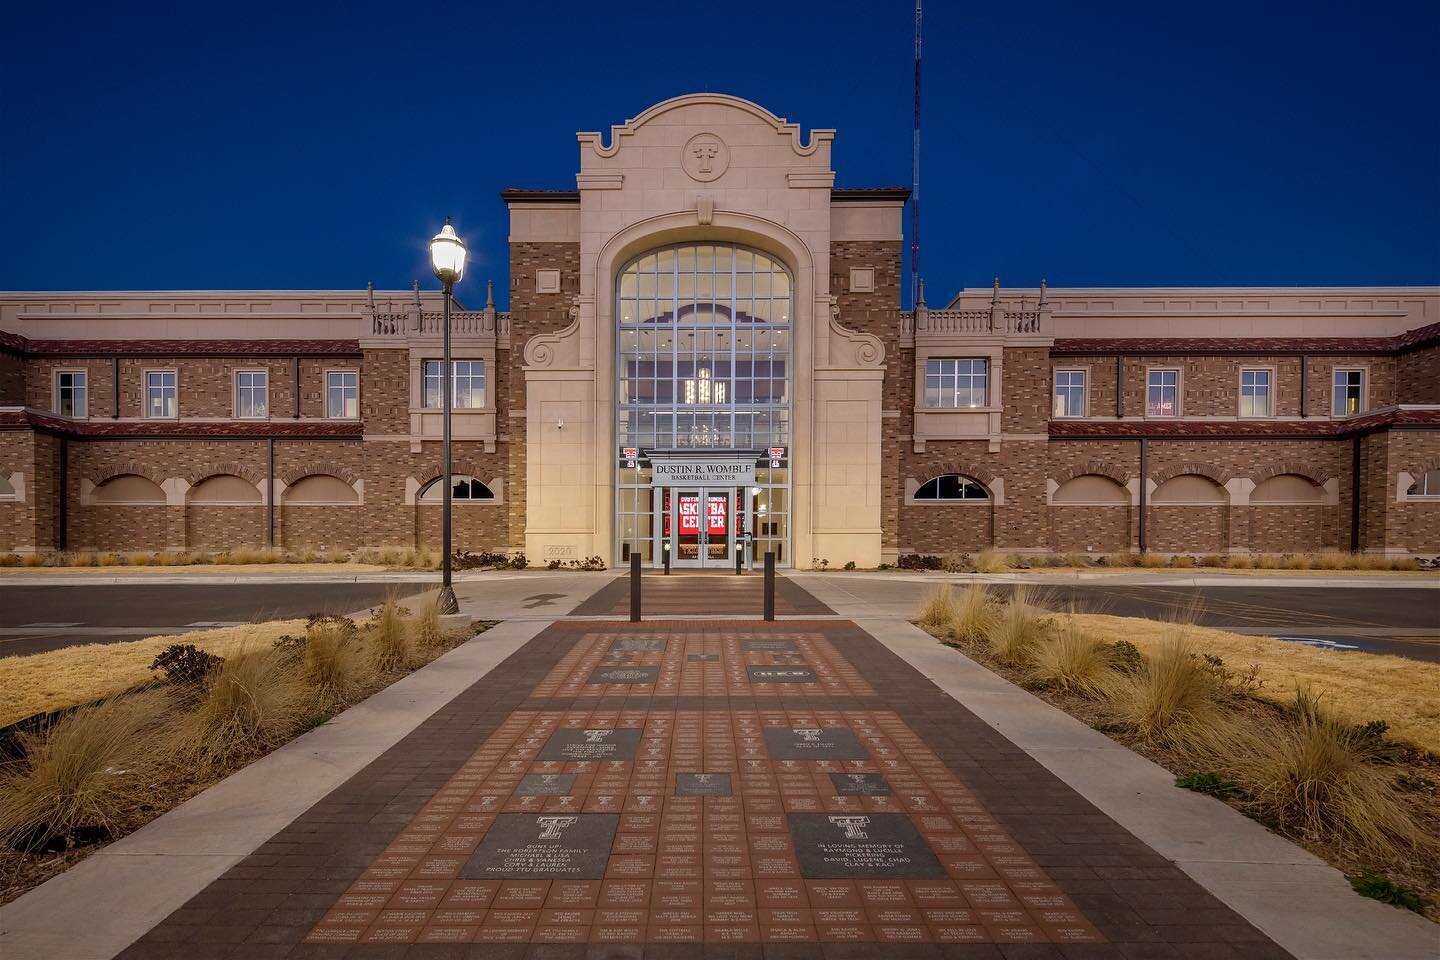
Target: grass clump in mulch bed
column 74, row 780
column 1289, row 758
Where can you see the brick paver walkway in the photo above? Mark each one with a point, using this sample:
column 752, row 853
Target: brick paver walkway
column 710, row 593
column 704, row 789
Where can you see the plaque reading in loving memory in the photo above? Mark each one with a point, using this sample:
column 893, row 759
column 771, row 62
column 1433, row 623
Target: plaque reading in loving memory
column 604, row 744
column 702, row 785
column 814, row 743
column 862, row 846
column 860, row 785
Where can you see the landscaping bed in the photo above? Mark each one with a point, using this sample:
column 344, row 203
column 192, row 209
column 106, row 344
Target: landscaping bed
column 1334, row 751
column 119, row 734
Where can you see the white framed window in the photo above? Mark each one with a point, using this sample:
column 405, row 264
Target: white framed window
column 72, row 393
column 1427, row 485
column 161, row 398
column 1348, row 395
column 1162, row 393
column 467, row 379
column 960, row 382
column 1069, row 393
column 1256, row 398
column 951, row 486
column 252, row 394
column 342, row 394
column 463, row 488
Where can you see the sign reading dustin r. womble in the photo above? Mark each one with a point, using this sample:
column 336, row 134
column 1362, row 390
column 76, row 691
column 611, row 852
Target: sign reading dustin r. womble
column 670, row 473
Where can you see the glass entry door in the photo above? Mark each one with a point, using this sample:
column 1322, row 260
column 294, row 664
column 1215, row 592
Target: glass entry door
column 700, row 524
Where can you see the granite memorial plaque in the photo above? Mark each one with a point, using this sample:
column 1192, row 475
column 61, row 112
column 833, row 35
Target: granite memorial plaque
column 703, row 658
column 625, row 674
column 787, row 658
column 860, row 785
column 529, row 847
column 702, row 785
column 813, row 743
column 862, row 847
column 545, row 785
column 617, row 658
column 606, row 744
column 781, row 674
column 639, row 644
column 766, row 646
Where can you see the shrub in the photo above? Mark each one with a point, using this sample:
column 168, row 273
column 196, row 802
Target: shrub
column 937, row 609
column 974, row 615
column 1182, row 561
column 10, row 560
column 333, row 661
column 1125, row 657
column 390, row 641
column 1170, row 696
column 991, row 562
column 1269, row 561
column 1018, row 630
column 819, row 563
column 956, row 563
column 849, row 564
column 1382, row 888
column 247, row 706
column 1309, row 773
column 1072, row 661
column 519, row 562
column 1212, row 560
column 81, row 771
column 428, row 634
column 34, row 560
column 1239, row 561
column 184, row 664
column 1154, row 560
column 107, row 560
column 918, row 561
column 481, row 560
column 1208, row 782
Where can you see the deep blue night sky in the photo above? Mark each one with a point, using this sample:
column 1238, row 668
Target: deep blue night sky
column 320, row 145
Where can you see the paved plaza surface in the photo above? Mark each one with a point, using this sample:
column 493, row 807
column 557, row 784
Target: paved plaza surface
column 704, row 788
column 832, row 785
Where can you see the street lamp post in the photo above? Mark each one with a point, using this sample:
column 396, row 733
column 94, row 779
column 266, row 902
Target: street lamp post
column 447, row 258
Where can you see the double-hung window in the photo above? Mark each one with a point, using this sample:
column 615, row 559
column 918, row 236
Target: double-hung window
column 1255, row 397
column 1069, row 393
column 467, row 380
column 956, row 383
column 1162, row 393
column 160, row 396
column 71, row 393
column 1349, row 396
column 252, row 394
column 342, row 394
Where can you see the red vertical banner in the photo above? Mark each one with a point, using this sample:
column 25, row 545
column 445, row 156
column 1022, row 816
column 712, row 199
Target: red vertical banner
column 715, row 513
column 667, row 511
column 689, row 505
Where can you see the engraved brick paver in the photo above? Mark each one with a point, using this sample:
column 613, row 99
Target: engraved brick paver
column 546, row 813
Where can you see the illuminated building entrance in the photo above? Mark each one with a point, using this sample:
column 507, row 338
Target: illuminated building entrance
column 703, row 412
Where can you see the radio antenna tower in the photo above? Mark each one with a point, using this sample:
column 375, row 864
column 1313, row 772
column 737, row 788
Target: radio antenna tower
column 915, row 178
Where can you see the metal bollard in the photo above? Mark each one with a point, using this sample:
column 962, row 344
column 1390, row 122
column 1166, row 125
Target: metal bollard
column 635, row 587
column 769, row 585
column 666, row 551
column 739, row 558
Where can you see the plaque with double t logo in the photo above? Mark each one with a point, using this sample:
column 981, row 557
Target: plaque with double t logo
column 603, row 744
column 813, row 743
column 625, row 674
column 639, row 645
column 572, row 846
column 860, row 785
column 862, row 846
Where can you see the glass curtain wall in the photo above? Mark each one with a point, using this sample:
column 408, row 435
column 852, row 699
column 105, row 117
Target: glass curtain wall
column 703, row 362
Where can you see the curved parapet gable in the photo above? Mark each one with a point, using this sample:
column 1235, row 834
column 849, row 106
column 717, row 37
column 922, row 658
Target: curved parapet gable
column 594, row 140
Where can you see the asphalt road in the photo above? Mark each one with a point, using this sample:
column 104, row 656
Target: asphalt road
column 39, row 617
column 1400, row 621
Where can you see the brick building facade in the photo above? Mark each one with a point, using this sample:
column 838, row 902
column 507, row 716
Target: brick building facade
column 705, row 352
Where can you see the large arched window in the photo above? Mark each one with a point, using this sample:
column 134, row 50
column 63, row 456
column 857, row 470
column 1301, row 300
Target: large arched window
column 703, row 348
column 952, row 486
column 464, row 488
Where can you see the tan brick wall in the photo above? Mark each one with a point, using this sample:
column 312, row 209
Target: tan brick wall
column 12, row 380
column 1419, row 376
column 1414, row 525
column 1102, row 529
